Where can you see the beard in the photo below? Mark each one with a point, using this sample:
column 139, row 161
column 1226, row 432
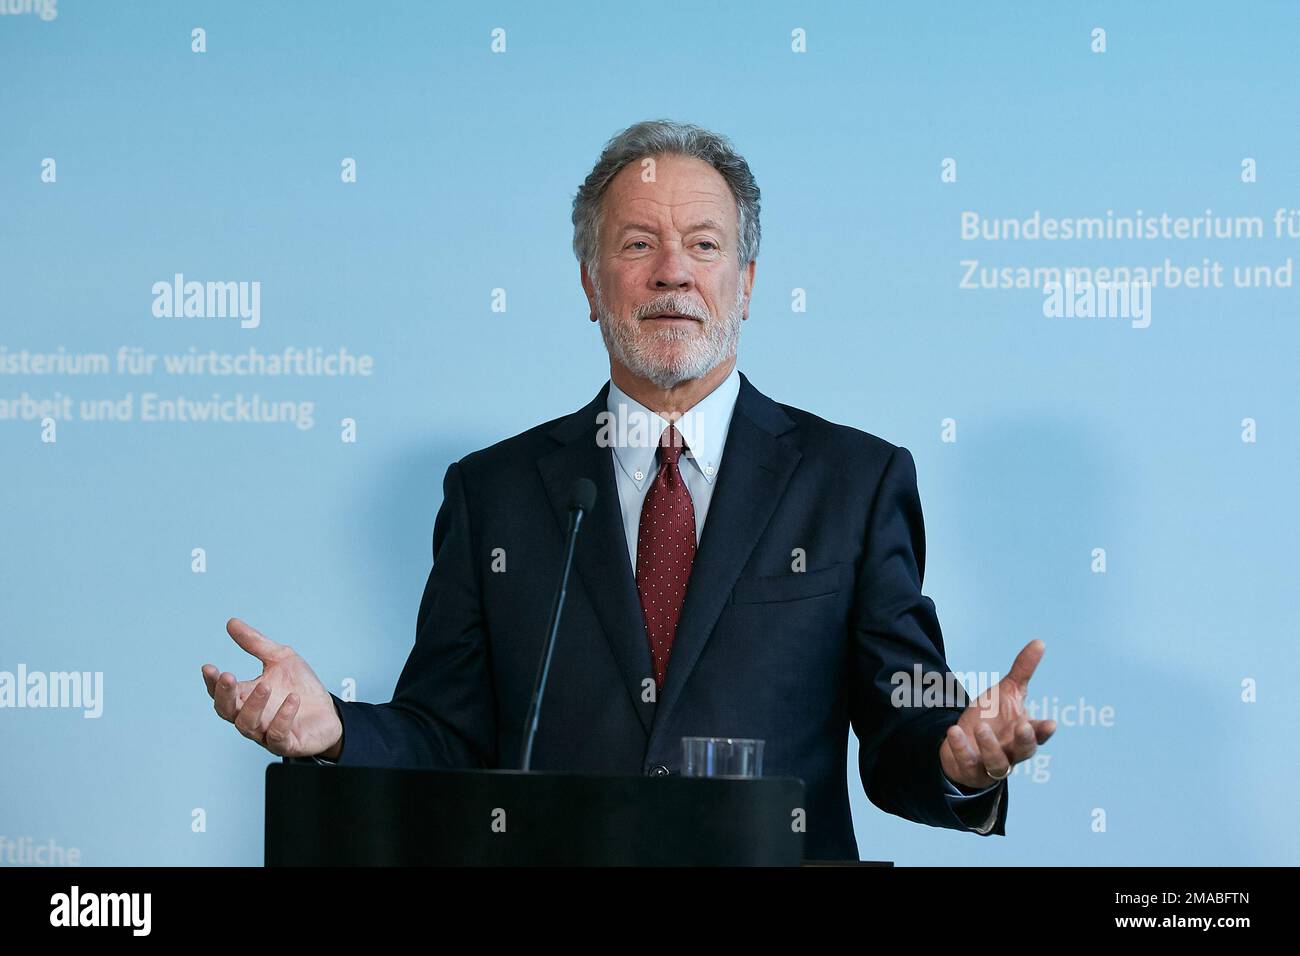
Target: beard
column 669, row 356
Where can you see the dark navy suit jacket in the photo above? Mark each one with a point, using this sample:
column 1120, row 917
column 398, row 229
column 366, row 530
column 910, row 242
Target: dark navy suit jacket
column 793, row 658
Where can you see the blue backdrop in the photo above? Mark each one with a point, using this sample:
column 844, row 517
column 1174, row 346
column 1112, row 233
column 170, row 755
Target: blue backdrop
column 133, row 149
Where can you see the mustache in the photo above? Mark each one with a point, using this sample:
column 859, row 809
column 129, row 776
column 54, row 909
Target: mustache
column 678, row 305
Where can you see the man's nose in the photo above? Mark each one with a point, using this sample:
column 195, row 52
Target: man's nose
column 672, row 269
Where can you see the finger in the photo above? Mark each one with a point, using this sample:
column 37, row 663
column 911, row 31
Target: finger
column 249, row 721
column 1023, row 744
column 1043, row 729
column 242, row 687
column 965, row 755
column 992, row 756
column 1022, row 668
column 253, row 640
column 210, row 675
column 279, row 734
column 226, row 700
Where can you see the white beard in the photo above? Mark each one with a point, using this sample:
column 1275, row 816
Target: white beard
column 640, row 351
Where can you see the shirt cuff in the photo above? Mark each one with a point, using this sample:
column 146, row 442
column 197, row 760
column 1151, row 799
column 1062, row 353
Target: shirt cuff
column 962, row 805
column 955, row 791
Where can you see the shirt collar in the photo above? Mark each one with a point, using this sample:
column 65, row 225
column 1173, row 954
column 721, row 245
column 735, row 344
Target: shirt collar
column 635, row 430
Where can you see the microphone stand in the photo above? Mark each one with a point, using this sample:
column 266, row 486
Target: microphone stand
column 576, row 512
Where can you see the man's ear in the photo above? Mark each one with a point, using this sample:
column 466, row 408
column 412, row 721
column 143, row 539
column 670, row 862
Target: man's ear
column 589, row 288
column 749, row 286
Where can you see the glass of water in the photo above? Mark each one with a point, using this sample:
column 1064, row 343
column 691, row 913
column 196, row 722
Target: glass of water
column 722, row 757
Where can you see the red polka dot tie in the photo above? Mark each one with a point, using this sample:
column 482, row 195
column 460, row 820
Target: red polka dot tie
column 665, row 551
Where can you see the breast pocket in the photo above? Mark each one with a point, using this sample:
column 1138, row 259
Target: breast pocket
column 795, row 586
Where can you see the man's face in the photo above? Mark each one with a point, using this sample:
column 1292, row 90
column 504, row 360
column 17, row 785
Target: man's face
column 669, row 289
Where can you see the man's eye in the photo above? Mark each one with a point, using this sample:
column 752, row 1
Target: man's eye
column 638, row 242
column 708, row 242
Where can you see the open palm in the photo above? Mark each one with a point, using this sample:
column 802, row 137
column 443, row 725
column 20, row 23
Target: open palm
column 287, row 709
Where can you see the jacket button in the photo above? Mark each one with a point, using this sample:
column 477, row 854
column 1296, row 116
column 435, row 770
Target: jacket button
column 658, row 770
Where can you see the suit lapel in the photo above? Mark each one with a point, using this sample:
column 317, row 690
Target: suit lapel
column 754, row 472
column 601, row 558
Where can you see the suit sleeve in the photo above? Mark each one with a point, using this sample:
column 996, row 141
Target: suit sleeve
column 443, row 711
column 896, row 630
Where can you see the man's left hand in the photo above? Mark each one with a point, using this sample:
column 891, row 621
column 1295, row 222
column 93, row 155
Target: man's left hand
column 995, row 733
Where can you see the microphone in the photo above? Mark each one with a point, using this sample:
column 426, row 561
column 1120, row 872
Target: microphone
column 582, row 496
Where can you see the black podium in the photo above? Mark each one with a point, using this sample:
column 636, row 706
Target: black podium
column 363, row 816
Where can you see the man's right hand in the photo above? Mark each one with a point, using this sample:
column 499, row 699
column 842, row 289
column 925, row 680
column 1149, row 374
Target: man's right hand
column 287, row 710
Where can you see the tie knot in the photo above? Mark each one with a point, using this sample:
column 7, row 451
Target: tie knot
column 671, row 445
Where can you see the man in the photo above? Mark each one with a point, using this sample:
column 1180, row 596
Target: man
column 748, row 570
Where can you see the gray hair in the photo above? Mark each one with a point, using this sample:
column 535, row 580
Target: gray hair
column 657, row 138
